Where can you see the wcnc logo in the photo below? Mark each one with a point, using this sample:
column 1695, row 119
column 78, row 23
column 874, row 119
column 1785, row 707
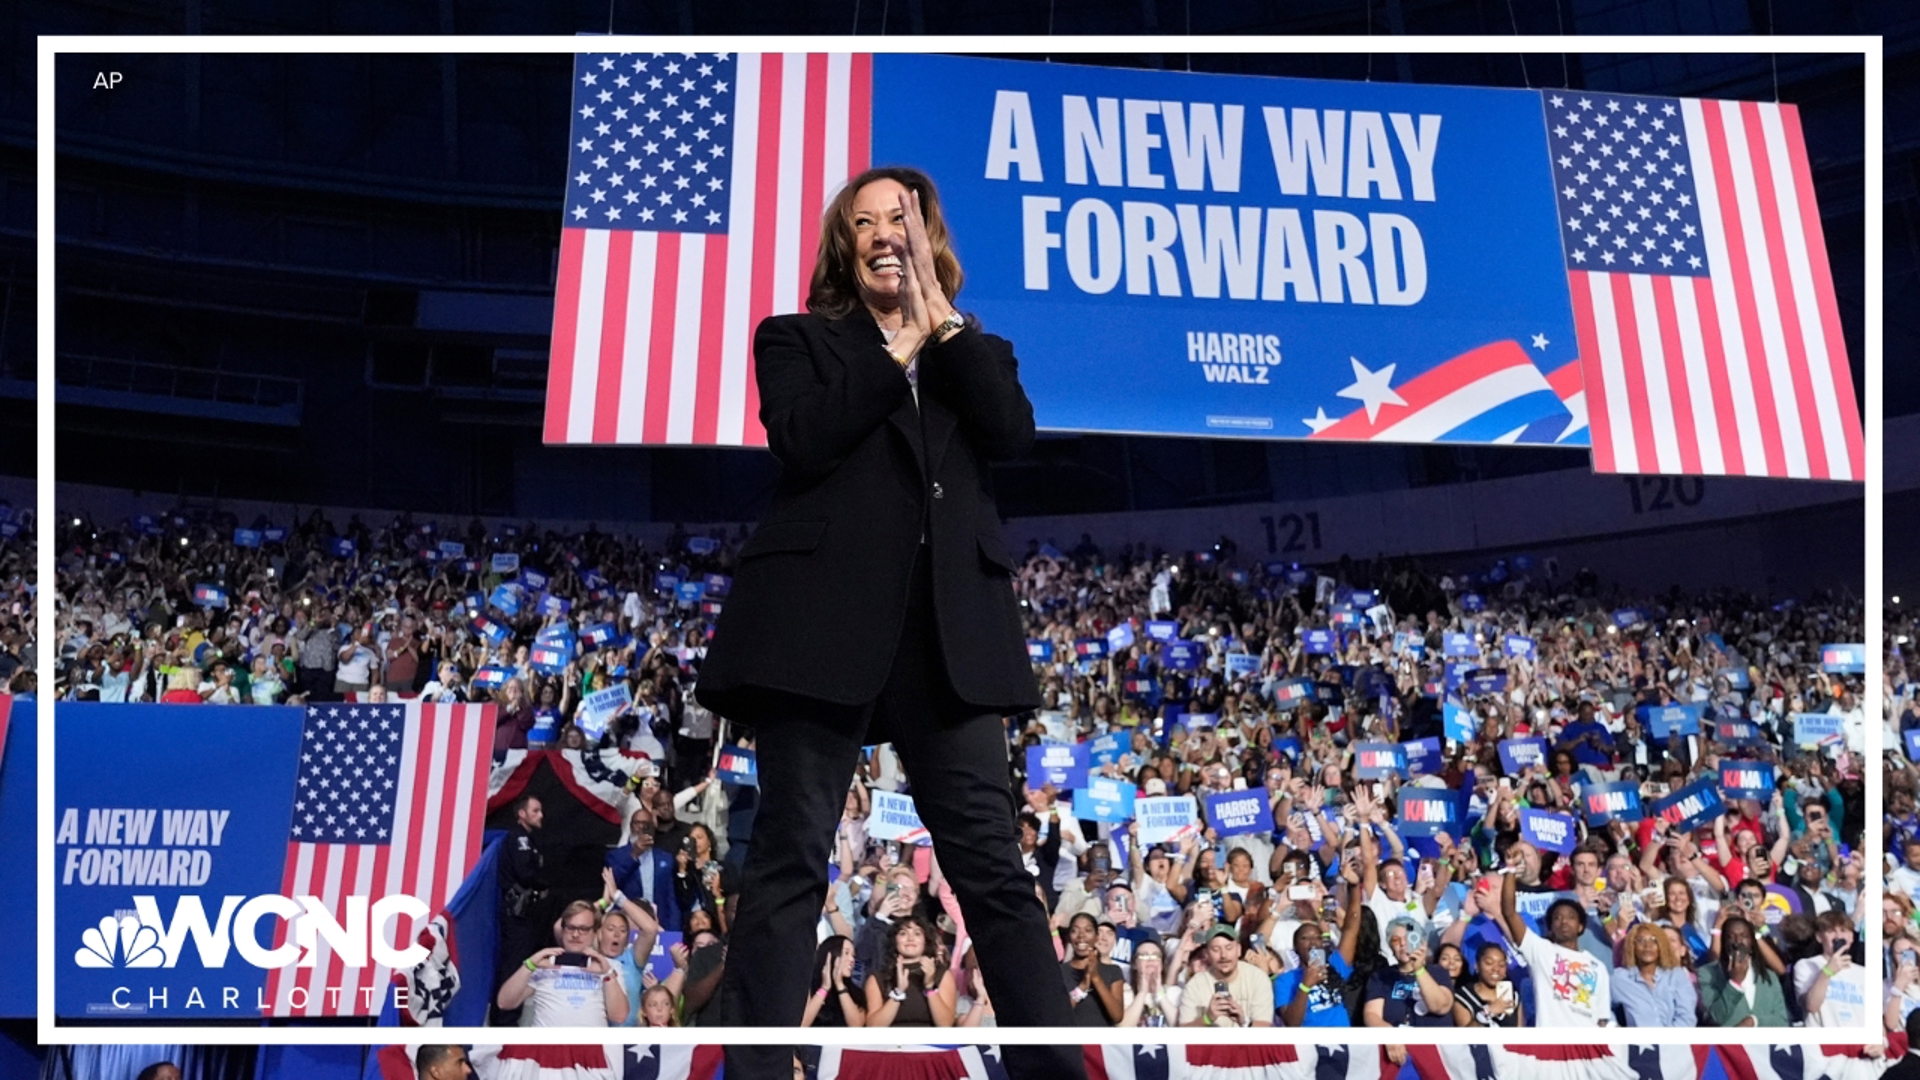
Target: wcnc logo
column 144, row 940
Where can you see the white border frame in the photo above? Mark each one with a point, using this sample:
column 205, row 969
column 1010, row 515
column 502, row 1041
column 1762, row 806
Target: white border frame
column 51, row 1032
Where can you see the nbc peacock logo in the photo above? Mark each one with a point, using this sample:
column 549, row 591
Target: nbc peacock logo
column 123, row 942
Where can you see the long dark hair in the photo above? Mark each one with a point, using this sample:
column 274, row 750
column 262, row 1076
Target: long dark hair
column 832, row 293
column 828, row 948
column 890, row 952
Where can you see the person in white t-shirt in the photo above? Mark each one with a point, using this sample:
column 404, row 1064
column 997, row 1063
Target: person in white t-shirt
column 1832, row 988
column 1571, row 987
column 570, row 985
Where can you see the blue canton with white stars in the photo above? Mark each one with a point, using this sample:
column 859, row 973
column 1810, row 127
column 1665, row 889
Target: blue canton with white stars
column 1624, row 179
column 652, row 142
column 349, row 774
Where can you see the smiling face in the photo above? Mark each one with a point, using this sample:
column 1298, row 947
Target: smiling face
column 879, row 243
column 1081, row 936
column 911, row 942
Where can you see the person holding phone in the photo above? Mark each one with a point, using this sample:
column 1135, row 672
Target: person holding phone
column 1903, row 981
column 1314, row 993
column 1832, row 988
column 1410, row 992
column 1488, row 999
column 571, row 984
column 1228, row 992
column 1740, row 988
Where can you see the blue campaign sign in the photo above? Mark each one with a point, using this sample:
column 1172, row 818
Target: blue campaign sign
column 1140, row 687
column 1483, row 683
column 1428, row 812
column 135, row 846
column 1458, row 646
column 211, row 596
column 718, row 585
column 506, row 598
column 1317, row 642
column 689, row 593
column 1375, row 760
column 1522, row 647
column 341, row 547
column 1738, row 678
column 1664, row 721
column 1040, row 652
column 452, row 549
column 1747, row 780
column 702, row 545
column 1473, row 601
column 1818, row 729
column 1235, row 239
column 547, row 658
column 246, row 538
column 1518, row 754
column 1549, row 831
column 1088, row 648
column 1361, row 599
column 1287, row 747
column 1409, row 643
column 1912, row 741
column 1104, row 799
column 665, row 583
column 1737, row 733
column 1238, row 813
column 1460, row 723
column 1290, row 693
column 1119, row 637
column 1163, row 630
column 533, row 580
column 1628, row 617
column 1064, row 765
column 1692, row 806
column 599, row 636
column 1843, row 659
column 1106, row 749
column 491, row 677
column 1422, row 755
column 1603, row 803
column 1241, row 664
column 552, row 605
column 1181, row 655
column 505, row 562
column 598, row 709
column 736, row 764
column 1165, row 819
column 660, row 960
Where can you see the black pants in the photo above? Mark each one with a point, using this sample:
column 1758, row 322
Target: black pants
column 318, row 684
column 956, row 758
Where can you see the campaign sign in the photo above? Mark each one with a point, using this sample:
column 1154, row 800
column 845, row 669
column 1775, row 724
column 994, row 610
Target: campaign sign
column 1088, row 648
column 1422, row 755
column 599, row 636
column 1913, row 744
column 665, row 583
column 1140, row 687
column 1522, row 647
column 1818, row 729
column 1843, row 659
column 1738, row 678
column 1064, row 765
column 1120, row 636
column 1482, row 683
column 1429, row 812
column 1747, row 780
column 1287, row 747
column 894, row 818
column 702, row 545
column 1181, row 656
column 1409, row 643
column 1040, row 652
column 1239, row 813
column 1460, row 723
column 206, row 595
column 452, row 549
column 1549, row 831
column 504, row 562
column 1665, row 721
column 689, row 593
column 136, row 837
column 1165, row 819
column 341, row 547
column 1603, row 803
column 1473, row 601
column 599, row 708
column 554, row 606
column 1458, row 646
column 1240, row 665
column 246, row 538
column 1206, row 201
column 1106, row 749
column 1289, row 693
column 1362, row 599
column 1629, row 617
column 506, row 598
column 1317, row 642
column 660, row 960
column 1375, row 760
column 490, row 677
column 736, row 764
column 1518, row 754
column 1737, row 733
column 1163, row 630
column 547, row 658
column 1104, row 799
column 533, row 580
column 1343, row 618
column 1692, row 806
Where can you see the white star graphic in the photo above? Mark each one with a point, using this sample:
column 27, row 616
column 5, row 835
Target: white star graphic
column 1539, row 341
column 1371, row 388
column 640, row 1053
column 1319, row 421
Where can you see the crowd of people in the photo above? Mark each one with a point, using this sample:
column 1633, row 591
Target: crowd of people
column 1571, row 857
column 18, row 654
column 1900, row 903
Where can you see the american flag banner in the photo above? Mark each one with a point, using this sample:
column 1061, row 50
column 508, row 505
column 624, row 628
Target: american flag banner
column 695, row 184
column 389, row 800
column 1709, row 334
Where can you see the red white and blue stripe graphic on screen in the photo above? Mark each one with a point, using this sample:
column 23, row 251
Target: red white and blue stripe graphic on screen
column 694, row 189
column 389, row 800
column 1710, row 339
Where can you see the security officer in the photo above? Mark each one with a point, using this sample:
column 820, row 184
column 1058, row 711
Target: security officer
column 523, row 882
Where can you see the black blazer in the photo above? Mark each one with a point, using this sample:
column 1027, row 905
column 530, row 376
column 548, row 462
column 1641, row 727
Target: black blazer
column 820, row 591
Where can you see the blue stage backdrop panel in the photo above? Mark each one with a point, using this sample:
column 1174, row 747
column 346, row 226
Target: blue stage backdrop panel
column 1160, row 268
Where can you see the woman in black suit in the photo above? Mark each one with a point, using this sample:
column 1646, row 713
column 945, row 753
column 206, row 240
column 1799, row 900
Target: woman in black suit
column 875, row 604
